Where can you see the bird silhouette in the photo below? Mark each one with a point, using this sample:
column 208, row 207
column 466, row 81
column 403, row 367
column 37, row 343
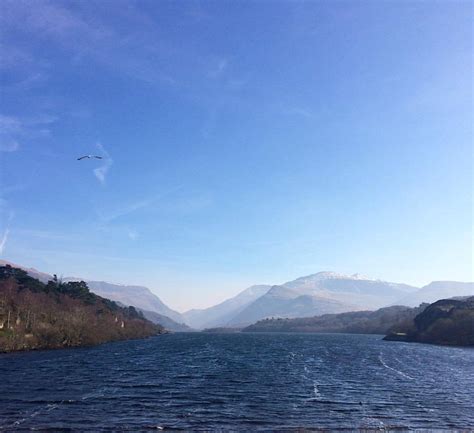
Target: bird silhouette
column 89, row 157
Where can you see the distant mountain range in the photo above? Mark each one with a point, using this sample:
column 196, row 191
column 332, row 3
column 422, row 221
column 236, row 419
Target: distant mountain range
column 321, row 293
column 312, row 295
column 437, row 290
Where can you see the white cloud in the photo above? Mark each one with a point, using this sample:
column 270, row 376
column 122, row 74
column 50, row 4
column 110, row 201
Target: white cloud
column 101, row 172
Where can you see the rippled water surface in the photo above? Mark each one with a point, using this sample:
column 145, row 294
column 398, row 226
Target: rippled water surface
column 239, row 381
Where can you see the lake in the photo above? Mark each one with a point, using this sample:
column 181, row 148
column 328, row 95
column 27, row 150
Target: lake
column 240, row 381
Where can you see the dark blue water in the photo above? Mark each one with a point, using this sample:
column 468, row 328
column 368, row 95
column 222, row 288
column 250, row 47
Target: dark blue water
column 239, row 381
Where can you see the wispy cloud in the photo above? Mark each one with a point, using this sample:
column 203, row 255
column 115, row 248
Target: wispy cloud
column 219, row 68
column 107, row 217
column 101, row 172
column 85, row 36
column 133, row 235
column 46, row 235
column 8, row 144
column 49, row 19
column 6, row 233
column 14, row 129
column 298, row 111
column 22, row 68
column 3, row 242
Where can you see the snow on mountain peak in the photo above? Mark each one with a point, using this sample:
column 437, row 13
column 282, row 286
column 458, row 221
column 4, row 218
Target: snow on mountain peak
column 328, row 275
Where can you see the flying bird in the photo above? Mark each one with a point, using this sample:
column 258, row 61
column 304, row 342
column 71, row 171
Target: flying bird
column 89, row 157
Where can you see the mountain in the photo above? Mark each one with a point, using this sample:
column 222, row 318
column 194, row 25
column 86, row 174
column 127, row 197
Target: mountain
column 138, row 296
column 321, row 293
column 448, row 321
column 380, row 321
column 280, row 301
column 324, row 292
column 220, row 314
column 354, row 289
column 35, row 315
column 437, row 290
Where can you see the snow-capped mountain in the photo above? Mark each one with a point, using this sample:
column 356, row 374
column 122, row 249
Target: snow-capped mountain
column 320, row 293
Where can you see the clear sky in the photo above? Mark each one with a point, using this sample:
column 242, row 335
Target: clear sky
column 243, row 142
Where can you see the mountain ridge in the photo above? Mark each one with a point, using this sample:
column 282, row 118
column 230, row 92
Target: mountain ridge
column 323, row 292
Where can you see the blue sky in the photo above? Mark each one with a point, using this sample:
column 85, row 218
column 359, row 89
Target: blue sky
column 243, row 142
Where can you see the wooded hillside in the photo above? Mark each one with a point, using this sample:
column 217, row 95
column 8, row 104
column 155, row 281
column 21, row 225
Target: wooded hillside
column 34, row 315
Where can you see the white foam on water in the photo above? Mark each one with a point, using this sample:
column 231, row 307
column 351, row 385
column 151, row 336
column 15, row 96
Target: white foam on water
column 401, row 373
column 48, row 408
column 317, row 394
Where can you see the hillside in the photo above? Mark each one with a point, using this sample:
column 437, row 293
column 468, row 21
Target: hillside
column 359, row 322
column 136, row 296
column 35, row 315
column 32, row 272
column 448, row 322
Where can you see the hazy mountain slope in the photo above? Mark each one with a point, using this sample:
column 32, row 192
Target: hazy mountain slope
column 281, row 301
column 222, row 313
column 321, row 293
column 160, row 319
column 138, row 296
column 437, row 290
column 165, row 321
